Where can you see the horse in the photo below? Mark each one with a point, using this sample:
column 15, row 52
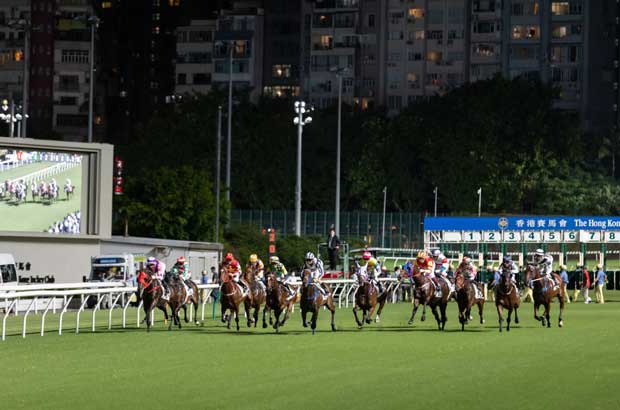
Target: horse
column 230, row 299
column 278, row 301
column 366, row 299
column 312, row 300
column 150, row 291
column 466, row 298
column 544, row 292
column 34, row 189
column 256, row 296
column 69, row 190
column 180, row 297
column 506, row 297
column 426, row 294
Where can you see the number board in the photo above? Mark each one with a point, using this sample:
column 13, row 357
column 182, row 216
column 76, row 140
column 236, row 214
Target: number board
column 571, row 236
column 512, row 236
column 472, row 236
column 552, row 236
column 452, row 237
column 492, row 236
column 612, row 236
column 589, row 236
column 531, row 236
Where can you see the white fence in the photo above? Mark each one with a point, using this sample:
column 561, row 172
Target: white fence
column 25, row 299
column 46, row 172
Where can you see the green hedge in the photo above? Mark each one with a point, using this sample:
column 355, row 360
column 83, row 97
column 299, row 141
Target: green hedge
column 244, row 240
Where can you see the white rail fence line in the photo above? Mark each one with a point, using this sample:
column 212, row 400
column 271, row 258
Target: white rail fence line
column 55, row 297
column 46, row 172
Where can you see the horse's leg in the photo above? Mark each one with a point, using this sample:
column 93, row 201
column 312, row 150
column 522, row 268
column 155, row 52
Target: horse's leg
column 223, row 306
column 540, row 319
column 332, row 309
column 516, row 315
column 480, row 311
column 444, row 317
column 255, row 316
column 176, row 312
column 548, row 313
column 416, row 304
column 423, row 318
column 370, row 313
column 230, row 316
column 378, row 317
column 315, row 314
column 163, row 309
column 264, row 314
column 357, row 320
column 196, row 302
column 561, row 300
column 508, row 321
column 499, row 315
column 185, row 314
column 436, row 314
column 248, row 308
column 304, row 313
column 276, row 323
column 237, row 316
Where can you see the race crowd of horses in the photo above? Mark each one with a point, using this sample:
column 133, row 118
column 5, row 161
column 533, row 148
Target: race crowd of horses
column 17, row 191
column 278, row 304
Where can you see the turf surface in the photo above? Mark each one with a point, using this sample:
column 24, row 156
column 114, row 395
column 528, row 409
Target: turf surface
column 385, row 366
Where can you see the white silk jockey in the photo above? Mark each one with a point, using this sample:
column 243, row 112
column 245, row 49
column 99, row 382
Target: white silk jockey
column 544, row 262
column 441, row 267
column 508, row 266
column 315, row 265
column 158, row 271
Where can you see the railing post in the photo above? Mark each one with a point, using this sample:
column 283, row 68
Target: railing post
column 64, row 310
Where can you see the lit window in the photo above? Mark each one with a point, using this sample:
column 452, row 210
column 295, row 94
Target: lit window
column 19, row 55
column 281, row 70
column 174, row 3
column 106, row 4
column 416, row 13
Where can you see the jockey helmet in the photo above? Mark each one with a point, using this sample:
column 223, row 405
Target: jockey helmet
column 421, row 255
column 366, row 256
column 253, row 258
column 234, row 264
column 181, row 259
column 506, row 258
column 229, row 257
column 310, row 256
column 372, row 262
column 151, row 261
column 466, row 260
column 436, row 252
column 274, row 258
column 539, row 252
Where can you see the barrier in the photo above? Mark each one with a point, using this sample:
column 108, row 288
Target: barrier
column 119, row 295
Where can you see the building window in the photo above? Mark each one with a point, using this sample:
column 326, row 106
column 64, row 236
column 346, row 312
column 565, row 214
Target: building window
column 69, row 83
column 156, row 30
column 416, row 13
column 68, row 101
column 524, row 52
column 71, row 120
column 106, row 4
column 484, row 5
column 563, row 8
column 412, row 80
column 484, row 50
column 371, row 20
column 201, row 78
column 525, row 8
column 281, row 70
column 395, row 35
column 174, row 3
column 566, row 30
column 525, row 32
column 483, row 27
column 74, row 56
column 200, row 36
column 395, row 102
column 181, row 79
column 434, row 56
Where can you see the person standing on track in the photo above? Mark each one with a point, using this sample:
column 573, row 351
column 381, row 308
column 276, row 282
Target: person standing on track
column 564, row 277
column 601, row 279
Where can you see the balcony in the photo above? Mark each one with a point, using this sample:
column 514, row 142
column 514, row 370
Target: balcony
column 336, row 4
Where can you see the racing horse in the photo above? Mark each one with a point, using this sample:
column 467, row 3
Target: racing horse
column 366, row 299
column 425, row 293
column 312, row 299
column 506, row 297
column 256, row 296
column 179, row 298
column 278, row 301
column 544, row 292
column 69, row 189
column 34, row 190
column 150, row 292
column 466, row 299
column 230, row 299
column 194, row 298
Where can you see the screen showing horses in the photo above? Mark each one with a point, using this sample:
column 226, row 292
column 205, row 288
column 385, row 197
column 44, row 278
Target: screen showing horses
column 40, row 191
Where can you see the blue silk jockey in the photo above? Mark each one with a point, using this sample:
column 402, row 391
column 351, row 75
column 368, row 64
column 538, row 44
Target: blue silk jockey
column 508, row 266
column 441, row 268
column 315, row 265
column 544, row 262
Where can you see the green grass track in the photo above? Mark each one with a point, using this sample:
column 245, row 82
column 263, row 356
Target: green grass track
column 384, row 366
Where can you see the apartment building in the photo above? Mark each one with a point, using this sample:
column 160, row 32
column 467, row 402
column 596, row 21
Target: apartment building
column 194, row 61
column 240, row 29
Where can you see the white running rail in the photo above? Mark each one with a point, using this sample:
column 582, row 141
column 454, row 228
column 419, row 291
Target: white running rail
column 46, row 172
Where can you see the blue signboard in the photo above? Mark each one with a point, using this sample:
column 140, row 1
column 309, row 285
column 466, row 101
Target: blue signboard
column 522, row 223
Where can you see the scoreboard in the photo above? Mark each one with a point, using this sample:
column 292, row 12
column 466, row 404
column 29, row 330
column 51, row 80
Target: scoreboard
column 523, row 229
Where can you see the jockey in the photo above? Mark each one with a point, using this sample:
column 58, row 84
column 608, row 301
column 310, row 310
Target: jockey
column 508, row 265
column 372, row 272
column 441, row 267
column 258, row 267
column 425, row 265
column 544, row 262
column 235, row 271
column 227, row 260
column 361, row 271
column 316, row 268
column 181, row 268
column 469, row 272
column 157, row 270
column 278, row 269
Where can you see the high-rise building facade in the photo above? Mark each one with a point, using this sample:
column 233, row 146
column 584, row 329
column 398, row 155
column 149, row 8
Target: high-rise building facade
column 194, row 60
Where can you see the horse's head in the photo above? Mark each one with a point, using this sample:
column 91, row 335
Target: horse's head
column 459, row 281
column 306, row 277
column 531, row 272
column 272, row 283
column 144, row 280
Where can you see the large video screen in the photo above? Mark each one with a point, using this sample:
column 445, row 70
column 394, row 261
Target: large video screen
column 40, row 191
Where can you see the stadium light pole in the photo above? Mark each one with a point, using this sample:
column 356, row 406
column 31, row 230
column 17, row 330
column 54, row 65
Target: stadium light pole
column 435, row 192
column 300, row 121
column 231, row 46
column 218, row 160
column 479, row 201
column 94, row 23
column 25, row 26
column 383, row 225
